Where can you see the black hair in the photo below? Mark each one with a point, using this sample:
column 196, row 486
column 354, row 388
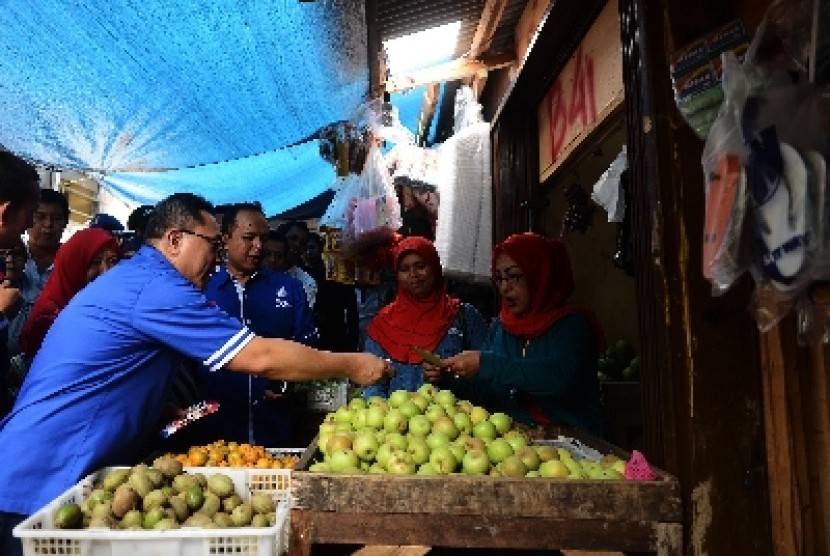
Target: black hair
column 229, row 215
column 285, row 227
column 138, row 218
column 178, row 211
column 275, row 235
column 314, row 236
column 19, row 180
column 52, row 197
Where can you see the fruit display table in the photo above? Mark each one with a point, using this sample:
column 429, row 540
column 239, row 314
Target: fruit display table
column 485, row 512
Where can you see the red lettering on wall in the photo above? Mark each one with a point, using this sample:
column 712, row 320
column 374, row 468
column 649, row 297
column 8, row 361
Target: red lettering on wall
column 572, row 110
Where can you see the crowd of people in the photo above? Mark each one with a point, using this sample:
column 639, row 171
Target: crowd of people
column 111, row 333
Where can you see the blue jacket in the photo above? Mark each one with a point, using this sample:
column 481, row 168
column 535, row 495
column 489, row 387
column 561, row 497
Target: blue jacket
column 273, row 305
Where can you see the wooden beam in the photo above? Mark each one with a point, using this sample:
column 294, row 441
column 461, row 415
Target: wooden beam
column 453, row 70
column 427, row 111
column 374, row 51
column 487, row 25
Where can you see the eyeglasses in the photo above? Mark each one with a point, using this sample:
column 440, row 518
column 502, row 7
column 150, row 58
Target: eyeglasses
column 509, row 278
column 215, row 242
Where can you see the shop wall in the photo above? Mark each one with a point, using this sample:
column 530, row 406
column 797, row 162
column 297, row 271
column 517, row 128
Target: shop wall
column 605, row 289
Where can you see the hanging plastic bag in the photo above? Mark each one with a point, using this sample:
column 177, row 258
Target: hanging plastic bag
column 727, row 246
column 374, row 214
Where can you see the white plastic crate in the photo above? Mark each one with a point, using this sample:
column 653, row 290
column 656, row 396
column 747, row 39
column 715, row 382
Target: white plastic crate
column 40, row 538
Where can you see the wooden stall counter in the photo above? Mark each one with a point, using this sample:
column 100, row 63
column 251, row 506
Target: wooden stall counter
column 485, row 512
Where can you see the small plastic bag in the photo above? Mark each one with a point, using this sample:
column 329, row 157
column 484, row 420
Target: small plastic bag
column 374, row 213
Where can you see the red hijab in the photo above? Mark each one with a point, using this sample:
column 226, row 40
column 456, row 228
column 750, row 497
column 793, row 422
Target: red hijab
column 409, row 321
column 68, row 278
column 550, row 282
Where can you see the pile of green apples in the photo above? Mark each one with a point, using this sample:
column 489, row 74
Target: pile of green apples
column 430, row 432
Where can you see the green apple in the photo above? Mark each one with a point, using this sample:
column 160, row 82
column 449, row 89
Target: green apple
column 463, row 422
column 445, row 398
column 357, row 403
column 409, row 409
column 474, row 443
column 383, row 454
column 529, row 457
column 342, row 461
column 475, row 462
column 400, row 464
column 575, row 470
column 327, row 427
column 553, row 469
column 485, row 430
column 517, row 438
column 374, row 416
column 546, row 452
column 433, row 411
column 464, row 405
column 502, row 422
column 319, row 467
column 427, row 469
column 499, row 450
column 338, row 442
column 358, row 417
column 365, row 445
column 427, row 390
column 478, row 414
column 420, row 425
column 343, row 415
column 377, row 400
column 422, row 402
column 395, row 421
column 418, row 451
column 609, row 473
column 376, row 469
column 619, row 466
column 445, row 425
column 513, row 466
column 396, row 440
column 397, row 397
column 457, row 450
column 532, row 474
column 443, row 460
column 437, row 439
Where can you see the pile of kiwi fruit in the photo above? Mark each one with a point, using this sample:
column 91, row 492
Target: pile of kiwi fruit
column 163, row 496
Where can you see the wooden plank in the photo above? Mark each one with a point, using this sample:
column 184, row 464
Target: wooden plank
column 453, row 70
column 392, row 551
column 784, row 496
column 488, row 496
column 532, row 17
column 487, row 25
column 472, row 531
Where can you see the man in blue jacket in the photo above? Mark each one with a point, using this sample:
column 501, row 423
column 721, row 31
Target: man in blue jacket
column 273, row 305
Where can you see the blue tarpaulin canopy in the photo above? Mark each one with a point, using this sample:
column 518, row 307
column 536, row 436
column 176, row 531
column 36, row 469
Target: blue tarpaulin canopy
column 158, row 96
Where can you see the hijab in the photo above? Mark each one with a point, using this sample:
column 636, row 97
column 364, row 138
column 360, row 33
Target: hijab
column 68, row 278
column 547, row 269
column 408, row 321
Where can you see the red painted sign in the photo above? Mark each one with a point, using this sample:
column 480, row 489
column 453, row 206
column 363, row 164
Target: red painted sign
column 573, row 107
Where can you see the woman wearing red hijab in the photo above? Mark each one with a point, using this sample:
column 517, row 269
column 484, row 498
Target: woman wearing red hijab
column 539, row 362
column 88, row 254
column 421, row 315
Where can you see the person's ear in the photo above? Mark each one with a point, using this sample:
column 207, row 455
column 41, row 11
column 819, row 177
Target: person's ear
column 173, row 241
column 4, row 212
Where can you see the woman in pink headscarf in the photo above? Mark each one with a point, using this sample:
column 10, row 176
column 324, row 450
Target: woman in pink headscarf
column 539, row 363
column 88, row 254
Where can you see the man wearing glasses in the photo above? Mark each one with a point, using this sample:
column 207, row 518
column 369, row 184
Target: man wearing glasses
column 97, row 386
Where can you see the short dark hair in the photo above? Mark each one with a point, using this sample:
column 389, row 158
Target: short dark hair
column 275, row 235
column 285, row 227
column 314, row 236
column 138, row 218
column 229, row 215
column 15, row 175
column 52, row 197
column 179, row 210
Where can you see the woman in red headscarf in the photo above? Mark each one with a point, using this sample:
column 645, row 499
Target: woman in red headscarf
column 422, row 316
column 539, row 362
column 88, row 254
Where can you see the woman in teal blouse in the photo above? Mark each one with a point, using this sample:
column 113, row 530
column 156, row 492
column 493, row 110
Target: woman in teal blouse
column 539, row 361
